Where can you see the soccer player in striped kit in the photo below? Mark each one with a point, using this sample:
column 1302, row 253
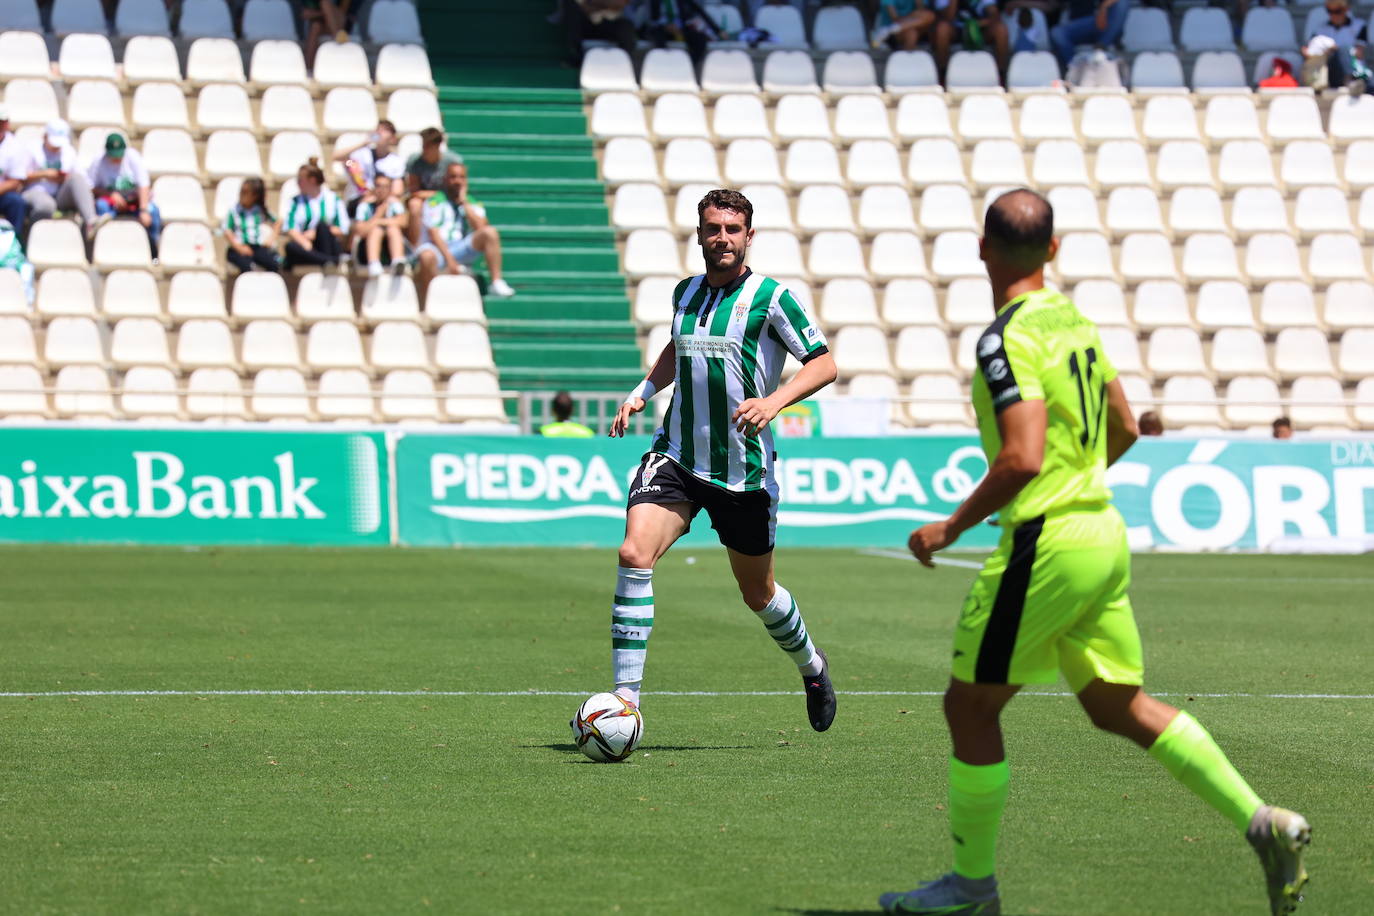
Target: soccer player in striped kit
column 732, row 329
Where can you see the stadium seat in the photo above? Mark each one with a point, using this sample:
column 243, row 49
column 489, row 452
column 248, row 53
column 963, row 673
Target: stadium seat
column 1362, row 402
column 786, row 72
column 1302, row 351
column 1349, row 304
column 1294, row 117
column 205, row 19
column 1196, row 209
column 341, row 64
column 56, row 243
column 923, row 115
column 133, row 294
column 215, row 60
column 321, row 298
column 1172, row 351
column 653, row 300
column 1075, row 208
column 883, row 207
column 1157, row 71
column 861, row 117
column 84, row 56
column 21, row 393
column 92, row 102
column 895, row 254
column 968, row 303
column 30, row 101
column 456, row 298
column 401, row 65
column 187, row 246
column 873, row 162
column 141, row 17
column 1122, row 162
column 1318, row 402
column 277, row 63
column 1147, row 256
column 839, row 28
column 279, row 393
column 344, row 394
column 1336, row 256
column 849, row 72
column 460, row 345
column 290, row 149
column 1224, row 304
column 751, row 161
column 21, row 15
column 333, row 345
column 998, row 162
column 1308, row 162
column 618, row 114
column 122, row 243
column 133, row 342
column 259, row 295
column 1147, row 29
column 873, row 385
column 679, row 115
column 65, row 291
column 955, row 254
column 1189, row 400
column 860, row 348
column 1352, row 118
column 1133, row 209
column 215, row 394
column 270, row 344
column 651, row 251
column 394, row 21
column 1161, row 304
column 1288, row 304
column 667, row 70
column 783, row 24
column 274, row 20
column 812, row 162
column 964, row 347
column 169, row 151
column 1210, row 256
column 972, row 71
column 910, row 71
column 1181, row 163
column 1101, row 301
column 946, row 207
column 777, row 254
column 1245, row 162
column 1231, row 117
column 727, row 71
column 234, row 152
column 392, row 298
column 1359, row 164
column 1108, row 117
column 155, row 105
column 83, row 391
column 288, row 108
column 910, row 302
column 1264, row 67
column 686, row 161
column 1170, row 117
column 1033, row 72
column 1251, row 400
column 836, row 254
column 938, row 400
column 627, row 159
column 1272, row 256
column 17, row 343
column 223, row 106
column 847, row 301
column 1219, row 71
column 823, row 206
column 693, row 261
column 985, row 117
column 1322, row 209
column 1206, row 29
column 1046, row 117
column 473, row 395
column 1084, row 255
column 772, row 208
column 1258, row 209
column 191, row 294
column 739, row 116
column 347, row 108
column 24, row 54
column 68, row 16
column 639, row 206
column 408, row 394
column 1268, row 29
column 207, row 343
column 150, row 393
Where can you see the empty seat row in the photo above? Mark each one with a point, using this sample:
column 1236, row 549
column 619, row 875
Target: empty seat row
column 1210, row 29
column 274, row 393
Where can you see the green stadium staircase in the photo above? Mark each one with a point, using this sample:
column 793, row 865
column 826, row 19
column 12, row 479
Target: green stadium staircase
column 515, row 114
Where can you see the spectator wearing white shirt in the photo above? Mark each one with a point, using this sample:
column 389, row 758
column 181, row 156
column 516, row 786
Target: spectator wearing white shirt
column 121, row 187
column 1336, row 45
column 54, row 180
column 375, row 156
column 13, row 208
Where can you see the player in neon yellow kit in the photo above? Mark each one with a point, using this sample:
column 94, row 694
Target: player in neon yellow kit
column 1052, row 598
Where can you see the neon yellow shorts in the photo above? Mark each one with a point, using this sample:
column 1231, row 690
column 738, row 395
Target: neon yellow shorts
column 1051, row 599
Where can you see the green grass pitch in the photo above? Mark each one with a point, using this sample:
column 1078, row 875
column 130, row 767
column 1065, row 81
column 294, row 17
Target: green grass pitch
column 222, row 803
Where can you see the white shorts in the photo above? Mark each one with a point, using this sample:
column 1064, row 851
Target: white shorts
column 460, row 250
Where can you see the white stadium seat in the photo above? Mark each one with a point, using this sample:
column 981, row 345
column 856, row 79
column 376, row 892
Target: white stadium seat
column 751, row 161
column 847, row 301
column 191, row 294
column 122, row 243
column 836, row 254
column 1359, row 164
column 1181, row 163
column 649, row 252
column 895, row 254
column 1272, row 256
column 150, row 393
column 279, row 393
column 1224, row 304
column 132, row 294
column 347, row 108
column 1302, row 351
column 1245, row 162
column 223, row 106
column 1288, row 304
column 618, row 114
column 259, row 295
column 873, row 162
column 1075, row 208
column 909, row 302
column 639, row 206
column 1258, row 209
column 998, row 162
column 205, row 343
column 289, row 150
column 169, row 150
column 65, row 291
column 1122, row 162
column 1084, row 255
column 24, row 54
column 955, row 254
column 270, row 344
column 783, row 24
column 454, row 298
column 910, row 71
column 234, row 152
column 1318, row 401
column 839, row 28
column 321, row 298
column 823, row 206
column 789, row 71
column 968, row 303
column 1046, row 117
column 334, row 345
column 277, row 63
column 922, row 115
column 215, row 394
column 1336, row 256
column 861, row 117
column 885, row 207
column 847, row 72
column 21, row 393
column 204, row 19
column 667, row 70
column 1100, row 301
column 859, row 348
column 31, row 101
column 679, row 115
column 632, row 159
column 136, row 341
column 1108, row 117
column 1157, row 71
column 158, row 105
column 274, row 19
column 1308, row 162
column 400, row 64
column 727, row 71
column 1356, row 354
column 1147, row 256
column 17, row 342
column 740, row 115
column 390, row 298
column 56, row 243
column 341, row 64
column 1173, row 351
column 1219, row 71
column 985, row 117
column 812, row 162
column 1033, row 70
column 1251, row 400
column 1133, row 209
column 1147, row 29
column 1210, row 256
column 460, row 345
column 777, row 254
column 1170, row 117
column 214, row 60
column 68, row 16
column 1294, row 117
column 92, row 102
column 472, row 396
column 972, row 71
column 1268, row 29
column 1231, row 117
column 1196, row 209
column 1349, row 304
column 1206, row 29
column 85, row 56
column 686, row 161
column 1189, row 400
column 607, row 70
column 1322, row 209
column 946, row 207
column 938, row 400
column 1352, row 118
column 141, row 17
column 1161, row 304
column 413, row 110
column 935, row 161
column 344, row 394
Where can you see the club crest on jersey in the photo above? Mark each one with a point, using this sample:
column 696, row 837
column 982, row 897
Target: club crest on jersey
column 651, row 466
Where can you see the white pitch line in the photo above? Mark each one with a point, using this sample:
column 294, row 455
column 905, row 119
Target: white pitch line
column 15, row 694
column 905, row 555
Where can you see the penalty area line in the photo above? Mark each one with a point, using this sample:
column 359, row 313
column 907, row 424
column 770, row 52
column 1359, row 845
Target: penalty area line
column 36, row 694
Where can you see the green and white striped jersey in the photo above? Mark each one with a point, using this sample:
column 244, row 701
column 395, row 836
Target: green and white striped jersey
column 731, row 343
column 364, row 211
column 249, row 224
column 449, row 218
column 306, row 212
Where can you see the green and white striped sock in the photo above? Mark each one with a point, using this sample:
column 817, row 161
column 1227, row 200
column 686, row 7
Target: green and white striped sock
column 784, row 623
column 632, row 620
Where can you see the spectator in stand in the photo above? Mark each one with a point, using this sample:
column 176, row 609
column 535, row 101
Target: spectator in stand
column 976, row 23
column 375, row 156
column 1088, row 22
column 12, row 258
column 13, row 208
column 902, row 24
column 425, row 173
column 322, row 18
column 1283, row 428
column 249, row 230
column 603, row 20
column 54, row 181
column 380, row 215
column 563, row 426
column 1336, row 47
column 684, row 21
column 457, row 233
column 121, row 188
column 316, row 225
column 1149, row 424
column 1281, row 76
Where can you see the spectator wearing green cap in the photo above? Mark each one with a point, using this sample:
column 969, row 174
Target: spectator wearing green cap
column 121, row 187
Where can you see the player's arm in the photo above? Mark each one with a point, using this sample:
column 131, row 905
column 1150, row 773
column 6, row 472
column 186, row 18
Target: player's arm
column 756, row 413
column 1121, row 429
column 663, row 372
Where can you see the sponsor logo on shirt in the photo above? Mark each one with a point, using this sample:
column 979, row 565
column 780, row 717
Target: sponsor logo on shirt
column 989, row 344
column 1007, row 394
column 813, row 334
column 997, row 369
column 708, row 346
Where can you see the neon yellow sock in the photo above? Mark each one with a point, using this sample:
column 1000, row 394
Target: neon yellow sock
column 977, row 795
column 1193, row 758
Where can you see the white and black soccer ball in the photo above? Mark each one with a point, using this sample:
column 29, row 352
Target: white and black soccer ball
column 607, row 728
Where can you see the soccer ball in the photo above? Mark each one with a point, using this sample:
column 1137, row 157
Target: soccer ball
column 607, row 728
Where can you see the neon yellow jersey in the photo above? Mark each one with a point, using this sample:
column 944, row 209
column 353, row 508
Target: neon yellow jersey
column 566, row 429
column 1041, row 348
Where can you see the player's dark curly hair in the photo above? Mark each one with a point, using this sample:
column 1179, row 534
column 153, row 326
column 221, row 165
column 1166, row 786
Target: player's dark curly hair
column 725, row 199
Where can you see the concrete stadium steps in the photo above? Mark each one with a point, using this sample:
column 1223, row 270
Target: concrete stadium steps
column 517, row 118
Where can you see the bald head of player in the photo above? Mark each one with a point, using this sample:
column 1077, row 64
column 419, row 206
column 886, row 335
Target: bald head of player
column 1018, row 241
